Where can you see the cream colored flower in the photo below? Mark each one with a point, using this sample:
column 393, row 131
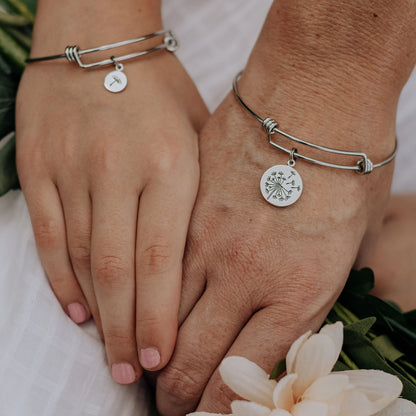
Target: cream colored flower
column 310, row 388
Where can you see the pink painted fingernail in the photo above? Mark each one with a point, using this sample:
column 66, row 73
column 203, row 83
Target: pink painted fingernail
column 149, row 358
column 123, row 373
column 77, row 312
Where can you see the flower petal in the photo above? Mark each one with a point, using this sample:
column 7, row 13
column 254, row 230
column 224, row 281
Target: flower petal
column 336, row 333
column 293, row 351
column 248, row 380
column 379, row 387
column 280, row 412
column 310, row 408
column 356, row 403
column 324, row 388
column 283, row 394
column 315, row 359
column 243, row 408
column 399, row 407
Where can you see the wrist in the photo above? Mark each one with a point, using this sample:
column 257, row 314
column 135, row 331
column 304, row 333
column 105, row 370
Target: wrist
column 319, row 78
column 89, row 24
column 323, row 79
column 374, row 41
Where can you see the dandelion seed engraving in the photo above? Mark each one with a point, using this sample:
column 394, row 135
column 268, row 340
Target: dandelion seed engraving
column 281, row 185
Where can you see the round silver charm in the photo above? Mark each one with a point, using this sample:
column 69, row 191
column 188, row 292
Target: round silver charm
column 115, row 81
column 281, row 185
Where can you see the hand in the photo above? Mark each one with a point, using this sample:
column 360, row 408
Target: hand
column 256, row 276
column 110, row 181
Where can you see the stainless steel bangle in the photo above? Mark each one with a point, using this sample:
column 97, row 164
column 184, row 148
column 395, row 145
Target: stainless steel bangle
column 116, row 81
column 270, row 188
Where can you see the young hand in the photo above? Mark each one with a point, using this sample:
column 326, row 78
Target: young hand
column 110, row 179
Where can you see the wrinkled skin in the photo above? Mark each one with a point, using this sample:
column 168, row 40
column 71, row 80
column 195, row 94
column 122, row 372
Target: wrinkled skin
column 257, row 276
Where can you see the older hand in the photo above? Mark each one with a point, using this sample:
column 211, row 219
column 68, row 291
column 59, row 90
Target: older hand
column 257, row 276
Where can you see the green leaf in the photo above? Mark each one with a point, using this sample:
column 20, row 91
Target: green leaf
column 8, row 174
column 384, row 345
column 385, row 309
column 12, row 50
column 363, row 353
column 22, row 38
column 361, row 281
column 6, row 6
column 361, row 327
column 278, row 369
column 25, row 8
column 393, row 305
column 8, row 88
column 5, row 68
column 340, row 366
column 408, row 332
column 13, row 19
column 411, row 319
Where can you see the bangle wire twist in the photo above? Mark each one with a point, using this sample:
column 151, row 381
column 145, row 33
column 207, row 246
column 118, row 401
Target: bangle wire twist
column 74, row 53
column 271, row 126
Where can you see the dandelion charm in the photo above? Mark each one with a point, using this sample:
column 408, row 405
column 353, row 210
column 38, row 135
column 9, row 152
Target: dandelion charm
column 281, row 185
column 116, row 80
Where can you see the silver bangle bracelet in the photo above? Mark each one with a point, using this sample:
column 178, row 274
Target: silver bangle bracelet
column 115, row 81
column 282, row 185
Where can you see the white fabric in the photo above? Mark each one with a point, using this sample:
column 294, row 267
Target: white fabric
column 49, row 365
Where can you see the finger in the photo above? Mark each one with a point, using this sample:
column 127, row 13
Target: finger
column 50, row 234
column 77, row 212
column 162, row 228
column 193, row 278
column 264, row 340
column 114, row 220
column 203, row 339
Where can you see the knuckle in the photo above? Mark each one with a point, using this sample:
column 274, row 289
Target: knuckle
column 110, row 270
column 167, row 160
column 179, row 385
column 47, row 233
column 118, row 339
column 80, row 255
column 155, row 259
column 147, row 320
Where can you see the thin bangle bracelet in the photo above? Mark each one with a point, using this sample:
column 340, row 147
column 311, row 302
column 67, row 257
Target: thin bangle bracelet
column 115, row 81
column 274, row 179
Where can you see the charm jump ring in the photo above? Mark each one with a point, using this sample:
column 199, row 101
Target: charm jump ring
column 292, row 160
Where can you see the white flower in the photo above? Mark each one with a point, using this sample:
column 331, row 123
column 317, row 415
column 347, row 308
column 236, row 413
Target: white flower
column 310, row 388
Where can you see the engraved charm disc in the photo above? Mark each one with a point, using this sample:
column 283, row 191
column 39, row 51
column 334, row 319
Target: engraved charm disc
column 281, row 185
column 115, row 81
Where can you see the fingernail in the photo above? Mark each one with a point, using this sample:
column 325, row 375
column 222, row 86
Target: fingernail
column 123, row 373
column 77, row 312
column 149, row 358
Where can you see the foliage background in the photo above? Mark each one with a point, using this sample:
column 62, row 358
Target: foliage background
column 16, row 20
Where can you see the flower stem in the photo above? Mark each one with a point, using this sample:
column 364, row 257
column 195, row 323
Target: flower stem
column 410, row 366
column 347, row 360
column 346, row 315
